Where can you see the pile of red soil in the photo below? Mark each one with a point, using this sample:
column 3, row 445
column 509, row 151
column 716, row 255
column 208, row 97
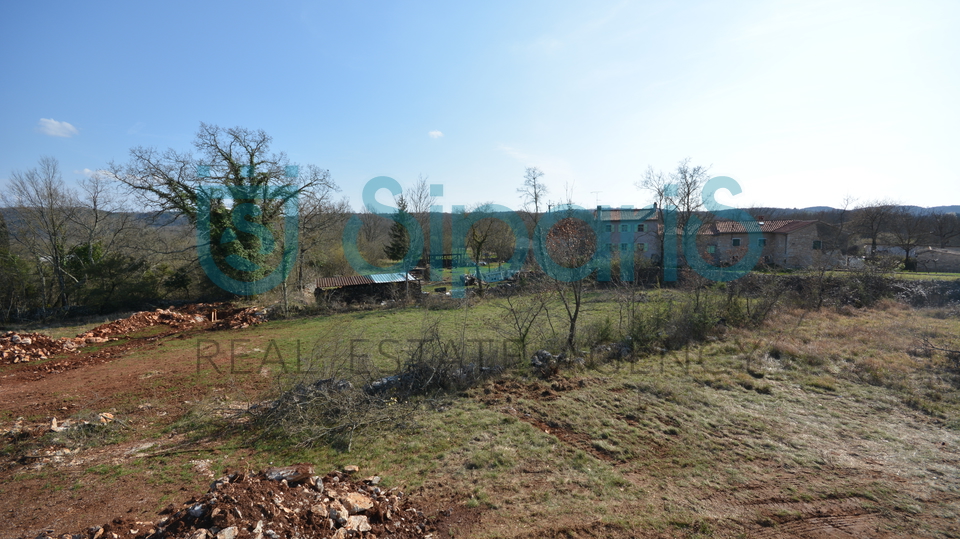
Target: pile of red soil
column 279, row 503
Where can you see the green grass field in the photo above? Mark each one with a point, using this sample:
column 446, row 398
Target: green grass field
column 833, row 416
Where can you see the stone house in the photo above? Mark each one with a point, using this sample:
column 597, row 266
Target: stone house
column 788, row 243
column 622, row 228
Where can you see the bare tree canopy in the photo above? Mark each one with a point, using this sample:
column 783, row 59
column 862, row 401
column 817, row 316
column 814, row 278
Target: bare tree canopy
column 680, row 191
column 534, row 191
column 43, row 208
column 232, row 163
column 945, row 227
column 909, row 230
column 419, row 201
column 82, row 244
column 872, row 218
column 237, row 157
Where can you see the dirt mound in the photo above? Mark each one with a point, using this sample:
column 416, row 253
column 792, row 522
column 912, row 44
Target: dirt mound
column 27, row 347
column 214, row 315
column 280, row 502
column 24, row 347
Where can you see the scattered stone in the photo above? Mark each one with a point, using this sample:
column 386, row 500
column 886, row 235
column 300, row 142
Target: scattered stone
column 356, row 502
column 350, row 469
column 358, row 523
column 354, row 508
column 546, row 365
column 317, row 483
column 293, row 475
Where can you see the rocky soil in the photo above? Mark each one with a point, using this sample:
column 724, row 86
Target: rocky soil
column 286, row 502
column 30, row 347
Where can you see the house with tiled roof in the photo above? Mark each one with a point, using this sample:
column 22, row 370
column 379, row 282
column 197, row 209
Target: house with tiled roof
column 789, row 243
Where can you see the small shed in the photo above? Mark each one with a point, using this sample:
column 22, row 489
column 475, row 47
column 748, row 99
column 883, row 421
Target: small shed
column 366, row 288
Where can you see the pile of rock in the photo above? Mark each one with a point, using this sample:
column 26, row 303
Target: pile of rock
column 225, row 317
column 545, row 364
column 139, row 321
column 216, row 315
column 280, row 502
column 24, row 347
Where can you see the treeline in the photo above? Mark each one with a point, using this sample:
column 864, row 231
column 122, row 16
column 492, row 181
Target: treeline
column 126, row 237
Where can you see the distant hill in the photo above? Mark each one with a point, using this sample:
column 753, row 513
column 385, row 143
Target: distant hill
column 915, row 209
column 151, row 219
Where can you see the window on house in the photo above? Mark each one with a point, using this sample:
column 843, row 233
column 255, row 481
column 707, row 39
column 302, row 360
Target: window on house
column 711, row 249
column 736, row 242
column 817, row 244
column 610, row 247
column 623, row 246
column 640, row 228
column 608, row 228
column 624, row 228
column 642, row 246
column 762, row 242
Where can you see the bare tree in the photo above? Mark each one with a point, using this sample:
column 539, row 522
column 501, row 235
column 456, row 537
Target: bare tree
column 521, row 308
column 534, row 192
column 235, row 158
column 946, row 226
column 873, row 218
column 842, row 220
column 479, row 236
column 102, row 217
column 679, row 192
column 909, row 230
column 681, row 189
column 419, row 200
column 320, row 213
column 239, row 161
column 43, row 208
column 570, row 243
column 373, row 234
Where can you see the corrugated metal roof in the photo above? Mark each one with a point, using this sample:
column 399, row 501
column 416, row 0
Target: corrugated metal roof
column 377, row 278
column 337, row 282
column 390, row 277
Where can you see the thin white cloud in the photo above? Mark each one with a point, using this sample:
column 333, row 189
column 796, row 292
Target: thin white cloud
column 558, row 169
column 513, row 152
column 53, row 128
column 435, row 134
column 91, row 173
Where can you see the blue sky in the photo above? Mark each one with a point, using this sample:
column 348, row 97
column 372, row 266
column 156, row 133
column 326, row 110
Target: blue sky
column 802, row 102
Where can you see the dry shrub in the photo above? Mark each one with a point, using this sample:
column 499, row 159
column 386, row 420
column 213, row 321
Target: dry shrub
column 825, row 382
column 784, row 350
column 879, row 372
column 890, row 304
column 341, row 394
